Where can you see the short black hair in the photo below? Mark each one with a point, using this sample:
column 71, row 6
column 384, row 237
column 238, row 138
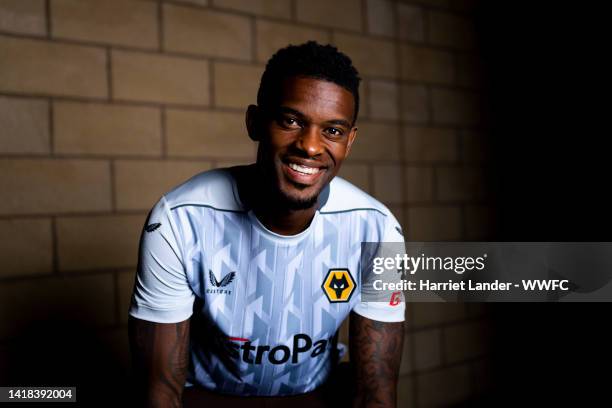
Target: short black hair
column 313, row 60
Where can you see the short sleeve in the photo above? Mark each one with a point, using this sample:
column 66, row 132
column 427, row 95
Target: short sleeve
column 392, row 309
column 162, row 293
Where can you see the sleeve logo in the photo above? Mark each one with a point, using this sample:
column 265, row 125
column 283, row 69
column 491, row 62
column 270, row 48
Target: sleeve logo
column 396, row 298
column 152, row 227
column 338, row 285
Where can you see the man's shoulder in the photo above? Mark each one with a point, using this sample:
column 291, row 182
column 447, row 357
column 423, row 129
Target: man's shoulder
column 211, row 188
column 344, row 196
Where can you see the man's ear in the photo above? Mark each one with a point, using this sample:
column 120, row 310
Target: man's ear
column 351, row 139
column 253, row 122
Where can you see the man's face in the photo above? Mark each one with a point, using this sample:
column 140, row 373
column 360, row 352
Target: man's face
column 306, row 136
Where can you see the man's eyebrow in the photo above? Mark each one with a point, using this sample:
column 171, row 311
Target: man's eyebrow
column 285, row 109
column 341, row 122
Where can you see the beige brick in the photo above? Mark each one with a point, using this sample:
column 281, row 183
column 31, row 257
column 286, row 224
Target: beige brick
column 335, row 14
column 272, row 36
column 480, row 222
column 398, row 212
column 121, row 22
column 388, row 183
column 268, row 8
column 98, row 242
column 414, row 103
column 376, row 141
column 231, row 163
column 49, row 186
column 87, row 300
column 434, row 223
column 206, row 32
column 27, row 247
column 451, row 30
column 358, row 174
column 25, row 125
column 411, row 22
column 23, row 16
column 73, row 70
column 465, row 341
column 444, row 387
column 455, row 107
column 208, row 134
column 94, row 128
column 435, row 313
column 371, row 57
column 426, row 64
column 427, row 349
column 364, row 98
column 419, row 183
column 428, row 145
column 460, row 183
column 125, row 280
column 381, row 17
column 405, row 393
column 196, row 2
column 233, row 93
column 155, row 78
column 140, row 183
column 407, row 363
column 383, row 100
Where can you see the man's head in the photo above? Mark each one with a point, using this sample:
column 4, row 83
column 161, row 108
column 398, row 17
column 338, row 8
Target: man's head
column 308, row 102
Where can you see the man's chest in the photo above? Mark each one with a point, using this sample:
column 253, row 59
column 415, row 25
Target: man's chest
column 251, row 282
column 277, row 291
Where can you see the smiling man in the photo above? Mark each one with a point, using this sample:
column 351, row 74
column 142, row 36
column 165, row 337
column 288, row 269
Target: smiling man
column 246, row 273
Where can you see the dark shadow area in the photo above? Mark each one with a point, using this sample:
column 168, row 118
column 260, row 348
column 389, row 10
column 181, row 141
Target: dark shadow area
column 544, row 74
column 64, row 353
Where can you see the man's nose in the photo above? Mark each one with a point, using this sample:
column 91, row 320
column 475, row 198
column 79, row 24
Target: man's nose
column 309, row 141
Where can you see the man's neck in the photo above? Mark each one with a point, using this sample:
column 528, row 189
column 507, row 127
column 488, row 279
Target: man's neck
column 272, row 214
column 290, row 222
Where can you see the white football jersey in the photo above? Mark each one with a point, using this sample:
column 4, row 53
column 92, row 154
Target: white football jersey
column 264, row 307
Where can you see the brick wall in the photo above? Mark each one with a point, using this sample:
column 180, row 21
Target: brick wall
column 105, row 105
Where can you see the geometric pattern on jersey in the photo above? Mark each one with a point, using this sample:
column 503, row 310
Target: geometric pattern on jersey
column 261, row 323
column 275, row 295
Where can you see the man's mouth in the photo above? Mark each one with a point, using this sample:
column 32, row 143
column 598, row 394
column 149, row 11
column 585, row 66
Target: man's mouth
column 301, row 173
column 304, row 169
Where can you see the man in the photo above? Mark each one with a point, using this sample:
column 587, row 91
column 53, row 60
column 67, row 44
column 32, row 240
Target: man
column 246, row 273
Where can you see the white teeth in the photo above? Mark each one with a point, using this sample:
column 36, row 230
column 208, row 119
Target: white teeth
column 304, row 169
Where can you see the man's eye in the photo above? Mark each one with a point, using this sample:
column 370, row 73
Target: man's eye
column 334, row 131
column 290, row 122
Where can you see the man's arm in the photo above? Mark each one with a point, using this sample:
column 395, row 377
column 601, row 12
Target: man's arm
column 375, row 352
column 160, row 355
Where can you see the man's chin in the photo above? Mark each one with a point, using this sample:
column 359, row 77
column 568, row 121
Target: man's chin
column 298, row 202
